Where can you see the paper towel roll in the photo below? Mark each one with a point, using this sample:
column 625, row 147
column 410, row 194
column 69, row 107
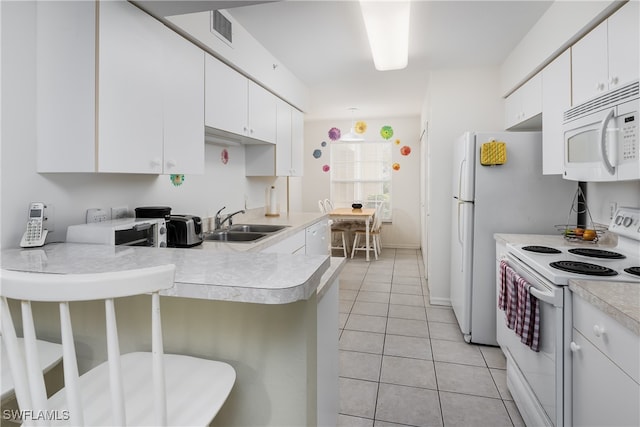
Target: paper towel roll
column 272, row 209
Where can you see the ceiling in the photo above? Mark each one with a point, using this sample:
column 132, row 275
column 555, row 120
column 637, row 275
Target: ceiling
column 324, row 44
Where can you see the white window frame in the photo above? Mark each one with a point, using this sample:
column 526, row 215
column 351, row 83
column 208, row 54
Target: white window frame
column 386, row 180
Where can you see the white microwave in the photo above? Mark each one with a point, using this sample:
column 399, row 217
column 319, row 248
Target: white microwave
column 151, row 232
column 601, row 137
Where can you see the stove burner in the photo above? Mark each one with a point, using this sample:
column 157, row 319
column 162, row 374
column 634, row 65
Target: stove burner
column 583, row 268
column 541, row 249
column 633, row 270
column 596, row 253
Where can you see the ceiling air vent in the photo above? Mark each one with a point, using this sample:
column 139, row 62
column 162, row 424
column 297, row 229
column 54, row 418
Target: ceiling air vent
column 221, row 27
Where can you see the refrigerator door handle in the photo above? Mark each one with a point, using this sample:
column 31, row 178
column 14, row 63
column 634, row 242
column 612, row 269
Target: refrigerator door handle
column 459, row 234
column 461, row 168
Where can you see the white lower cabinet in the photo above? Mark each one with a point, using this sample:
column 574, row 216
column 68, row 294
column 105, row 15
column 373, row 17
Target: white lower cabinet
column 313, row 240
column 605, row 385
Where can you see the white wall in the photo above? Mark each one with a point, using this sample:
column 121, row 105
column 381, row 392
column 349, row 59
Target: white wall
column 71, row 194
column 457, row 101
column 601, row 194
column 404, row 231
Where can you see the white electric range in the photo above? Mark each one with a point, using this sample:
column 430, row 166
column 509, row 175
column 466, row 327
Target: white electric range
column 540, row 382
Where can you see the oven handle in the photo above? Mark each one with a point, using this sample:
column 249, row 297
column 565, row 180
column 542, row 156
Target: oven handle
column 546, row 294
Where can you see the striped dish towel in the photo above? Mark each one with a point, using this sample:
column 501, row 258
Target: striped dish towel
column 530, row 334
column 522, row 313
column 507, row 300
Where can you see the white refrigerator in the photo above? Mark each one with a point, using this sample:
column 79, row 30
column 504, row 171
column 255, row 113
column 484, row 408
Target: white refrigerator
column 513, row 197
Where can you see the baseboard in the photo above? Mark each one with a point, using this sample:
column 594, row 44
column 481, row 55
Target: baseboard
column 439, row 301
column 400, row 246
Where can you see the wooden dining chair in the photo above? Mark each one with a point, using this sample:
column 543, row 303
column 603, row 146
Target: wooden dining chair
column 138, row 388
column 375, row 230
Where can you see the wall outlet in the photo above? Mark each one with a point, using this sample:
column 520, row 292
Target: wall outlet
column 48, row 222
column 97, row 215
column 613, row 207
column 120, row 212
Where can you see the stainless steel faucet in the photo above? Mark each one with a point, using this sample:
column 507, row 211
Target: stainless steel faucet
column 219, row 221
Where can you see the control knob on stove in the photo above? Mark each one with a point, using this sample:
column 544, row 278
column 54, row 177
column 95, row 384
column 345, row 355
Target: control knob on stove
column 627, row 221
column 619, row 219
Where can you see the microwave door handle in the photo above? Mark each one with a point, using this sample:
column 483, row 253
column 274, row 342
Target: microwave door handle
column 141, row 227
column 603, row 143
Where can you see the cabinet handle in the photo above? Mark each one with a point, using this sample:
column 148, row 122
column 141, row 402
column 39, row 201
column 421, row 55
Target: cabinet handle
column 171, row 163
column 600, row 87
column 613, row 80
column 574, row 347
column 598, row 330
column 155, row 162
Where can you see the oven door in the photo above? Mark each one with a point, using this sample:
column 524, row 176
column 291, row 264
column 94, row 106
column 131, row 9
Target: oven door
column 536, row 379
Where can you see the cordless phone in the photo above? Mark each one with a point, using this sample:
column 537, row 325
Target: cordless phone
column 35, row 234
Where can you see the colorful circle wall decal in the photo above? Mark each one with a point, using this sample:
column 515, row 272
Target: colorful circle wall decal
column 317, row 153
column 361, row 127
column 325, row 168
column 397, row 142
column 396, row 166
column 405, row 151
column 386, row 132
column 334, row 134
column 323, row 144
column 224, row 156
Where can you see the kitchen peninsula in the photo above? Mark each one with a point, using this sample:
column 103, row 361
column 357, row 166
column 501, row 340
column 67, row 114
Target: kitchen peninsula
column 273, row 317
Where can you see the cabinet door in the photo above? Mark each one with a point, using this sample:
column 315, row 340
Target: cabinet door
column 512, row 109
column 183, row 106
column 602, row 393
column 589, row 64
column 129, row 90
column 226, row 97
column 623, row 40
column 66, row 82
column 532, row 97
column 297, row 142
column 262, row 114
column 556, row 98
column 283, row 139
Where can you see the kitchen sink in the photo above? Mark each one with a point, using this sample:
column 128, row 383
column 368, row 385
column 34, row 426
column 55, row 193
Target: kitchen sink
column 234, row 236
column 256, row 228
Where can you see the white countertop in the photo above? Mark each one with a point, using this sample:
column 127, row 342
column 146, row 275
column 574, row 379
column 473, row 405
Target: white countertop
column 215, row 270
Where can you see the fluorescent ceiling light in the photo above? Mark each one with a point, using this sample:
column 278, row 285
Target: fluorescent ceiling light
column 387, row 23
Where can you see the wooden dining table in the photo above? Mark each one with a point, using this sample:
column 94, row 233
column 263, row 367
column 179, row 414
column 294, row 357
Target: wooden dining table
column 364, row 214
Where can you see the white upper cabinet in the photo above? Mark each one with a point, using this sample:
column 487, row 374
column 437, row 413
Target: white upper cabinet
column 226, row 97
column 183, row 106
column 556, row 98
column 129, row 96
column 108, row 117
column 261, row 116
column 283, row 140
column 607, row 56
column 524, row 105
column 297, row 142
column 285, row 157
column 237, row 105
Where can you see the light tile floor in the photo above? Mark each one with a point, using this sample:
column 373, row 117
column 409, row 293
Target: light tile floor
column 403, row 362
